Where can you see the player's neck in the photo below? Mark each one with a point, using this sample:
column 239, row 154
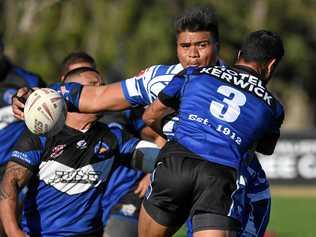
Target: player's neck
column 249, row 65
column 81, row 122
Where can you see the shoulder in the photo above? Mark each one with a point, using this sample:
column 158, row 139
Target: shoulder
column 32, row 140
column 279, row 110
column 112, row 132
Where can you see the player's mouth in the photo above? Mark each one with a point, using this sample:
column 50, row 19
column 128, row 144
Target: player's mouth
column 194, row 65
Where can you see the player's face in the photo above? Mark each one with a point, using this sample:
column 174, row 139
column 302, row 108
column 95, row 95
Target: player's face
column 196, row 49
column 89, row 78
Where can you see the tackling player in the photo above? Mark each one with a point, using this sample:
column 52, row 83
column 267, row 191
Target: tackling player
column 223, row 113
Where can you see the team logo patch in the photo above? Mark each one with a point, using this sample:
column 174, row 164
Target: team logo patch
column 75, row 176
column 57, row 151
column 82, row 144
column 100, row 149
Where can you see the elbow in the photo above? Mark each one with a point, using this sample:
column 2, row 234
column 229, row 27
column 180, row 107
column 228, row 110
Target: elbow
column 265, row 151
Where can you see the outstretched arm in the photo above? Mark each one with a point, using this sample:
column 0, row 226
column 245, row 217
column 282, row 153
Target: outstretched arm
column 15, row 177
column 102, row 98
column 86, row 99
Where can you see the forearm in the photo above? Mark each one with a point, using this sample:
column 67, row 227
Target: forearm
column 102, row 98
column 154, row 114
column 15, row 177
column 8, row 207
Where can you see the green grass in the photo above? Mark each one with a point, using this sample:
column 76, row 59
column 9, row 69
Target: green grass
column 293, row 216
column 181, row 232
column 290, row 217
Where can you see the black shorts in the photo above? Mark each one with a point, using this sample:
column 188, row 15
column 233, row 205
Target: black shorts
column 184, row 185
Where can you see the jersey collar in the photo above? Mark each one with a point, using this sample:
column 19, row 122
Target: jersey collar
column 248, row 70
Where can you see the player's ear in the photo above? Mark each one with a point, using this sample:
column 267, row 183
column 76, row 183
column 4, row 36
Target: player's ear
column 238, row 55
column 271, row 65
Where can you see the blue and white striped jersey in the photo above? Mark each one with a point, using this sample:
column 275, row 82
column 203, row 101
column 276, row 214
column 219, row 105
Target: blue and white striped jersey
column 144, row 88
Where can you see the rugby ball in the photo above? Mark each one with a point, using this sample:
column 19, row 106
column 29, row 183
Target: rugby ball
column 45, row 112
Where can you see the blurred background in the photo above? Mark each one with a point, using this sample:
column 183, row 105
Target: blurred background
column 126, row 36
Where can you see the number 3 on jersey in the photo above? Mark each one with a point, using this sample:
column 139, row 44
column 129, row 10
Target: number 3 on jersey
column 229, row 109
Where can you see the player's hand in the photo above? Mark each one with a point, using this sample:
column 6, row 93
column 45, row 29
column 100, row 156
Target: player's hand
column 18, row 101
column 142, row 186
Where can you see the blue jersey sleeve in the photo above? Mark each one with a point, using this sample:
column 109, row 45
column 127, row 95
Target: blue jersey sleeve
column 135, row 123
column 28, row 150
column 126, row 143
column 279, row 117
column 170, row 95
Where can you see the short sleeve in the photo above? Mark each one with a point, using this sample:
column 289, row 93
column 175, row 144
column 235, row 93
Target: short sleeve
column 170, row 95
column 28, row 150
column 278, row 119
column 144, row 88
column 126, row 143
column 135, row 89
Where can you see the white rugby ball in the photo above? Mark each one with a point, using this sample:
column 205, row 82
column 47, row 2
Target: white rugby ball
column 45, row 112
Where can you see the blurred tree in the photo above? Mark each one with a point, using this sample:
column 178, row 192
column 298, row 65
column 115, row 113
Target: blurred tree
column 126, row 36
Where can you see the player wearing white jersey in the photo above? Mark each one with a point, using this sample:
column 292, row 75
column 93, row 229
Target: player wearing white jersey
column 144, row 88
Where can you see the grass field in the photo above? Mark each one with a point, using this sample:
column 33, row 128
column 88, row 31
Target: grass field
column 293, row 213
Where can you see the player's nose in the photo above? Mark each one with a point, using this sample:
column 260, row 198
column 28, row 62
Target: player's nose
column 193, row 52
